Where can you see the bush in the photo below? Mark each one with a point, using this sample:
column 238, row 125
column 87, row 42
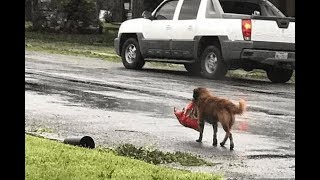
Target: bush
column 73, row 16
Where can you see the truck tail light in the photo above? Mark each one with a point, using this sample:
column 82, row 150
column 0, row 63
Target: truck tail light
column 246, row 29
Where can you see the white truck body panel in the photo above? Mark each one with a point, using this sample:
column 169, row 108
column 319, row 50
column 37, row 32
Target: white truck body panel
column 185, row 29
column 133, row 25
column 268, row 30
column 217, row 27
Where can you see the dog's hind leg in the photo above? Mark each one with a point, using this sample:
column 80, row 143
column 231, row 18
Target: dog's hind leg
column 225, row 138
column 231, row 141
column 230, row 136
column 215, row 130
column 227, row 130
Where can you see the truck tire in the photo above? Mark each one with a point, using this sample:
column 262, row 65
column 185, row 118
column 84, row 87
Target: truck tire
column 193, row 68
column 277, row 75
column 212, row 65
column 130, row 54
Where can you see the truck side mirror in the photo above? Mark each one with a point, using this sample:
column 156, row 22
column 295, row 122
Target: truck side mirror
column 147, row 15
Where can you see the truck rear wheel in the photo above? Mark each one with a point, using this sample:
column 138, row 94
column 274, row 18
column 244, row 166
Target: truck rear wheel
column 277, row 75
column 130, row 54
column 212, row 66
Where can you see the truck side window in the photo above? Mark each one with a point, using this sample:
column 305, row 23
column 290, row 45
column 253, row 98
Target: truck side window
column 210, row 11
column 166, row 11
column 189, row 9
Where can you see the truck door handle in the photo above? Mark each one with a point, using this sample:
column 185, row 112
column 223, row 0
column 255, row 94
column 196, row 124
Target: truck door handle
column 168, row 27
column 190, row 27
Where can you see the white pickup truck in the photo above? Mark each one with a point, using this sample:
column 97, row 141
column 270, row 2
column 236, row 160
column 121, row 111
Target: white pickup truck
column 211, row 37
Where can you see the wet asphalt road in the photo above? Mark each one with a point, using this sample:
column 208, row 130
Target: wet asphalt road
column 75, row 96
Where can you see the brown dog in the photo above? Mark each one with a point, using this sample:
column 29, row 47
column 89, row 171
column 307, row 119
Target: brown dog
column 213, row 110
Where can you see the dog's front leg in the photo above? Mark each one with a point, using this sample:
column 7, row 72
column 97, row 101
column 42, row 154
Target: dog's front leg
column 201, row 127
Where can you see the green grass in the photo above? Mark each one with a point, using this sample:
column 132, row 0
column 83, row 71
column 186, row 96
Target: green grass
column 48, row 159
column 106, row 53
column 89, row 45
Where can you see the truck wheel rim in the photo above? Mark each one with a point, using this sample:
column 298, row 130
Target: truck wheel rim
column 211, row 62
column 130, row 53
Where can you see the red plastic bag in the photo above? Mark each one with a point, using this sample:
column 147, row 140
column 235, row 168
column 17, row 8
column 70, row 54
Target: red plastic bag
column 184, row 117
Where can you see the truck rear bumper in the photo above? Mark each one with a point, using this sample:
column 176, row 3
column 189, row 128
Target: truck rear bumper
column 280, row 58
column 271, row 53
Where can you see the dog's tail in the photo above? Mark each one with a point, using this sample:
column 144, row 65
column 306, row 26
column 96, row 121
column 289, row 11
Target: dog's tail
column 241, row 108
